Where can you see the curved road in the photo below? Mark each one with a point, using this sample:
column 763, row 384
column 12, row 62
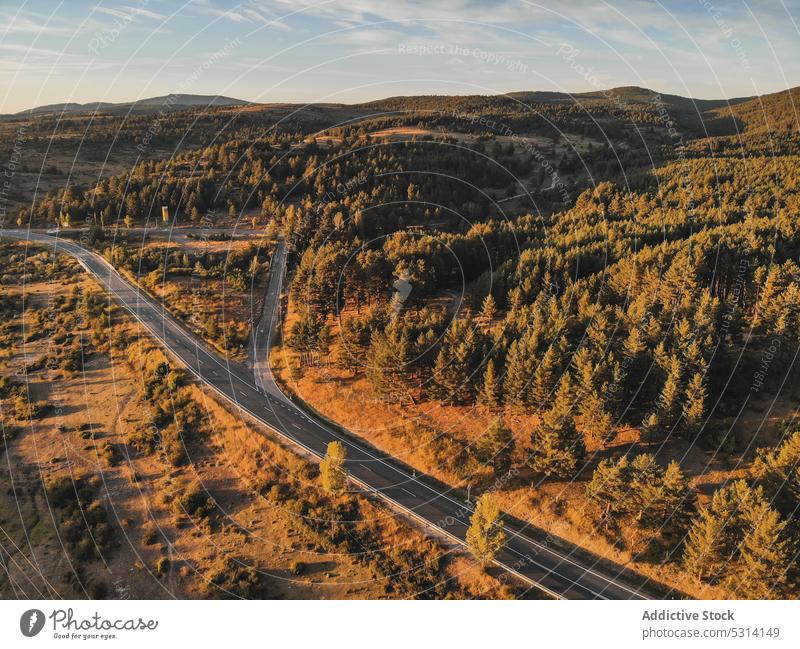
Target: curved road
column 550, row 569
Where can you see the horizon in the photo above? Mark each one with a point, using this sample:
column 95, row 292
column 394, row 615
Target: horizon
column 332, row 52
column 251, row 102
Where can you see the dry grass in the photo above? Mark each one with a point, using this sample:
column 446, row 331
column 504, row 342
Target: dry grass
column 557, row 508
column 162, row 548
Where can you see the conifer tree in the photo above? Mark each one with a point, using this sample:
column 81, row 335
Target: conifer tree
column 516, row 385
column 778, row 470
column 709, row 543
column 597, row 333
column 766, row 555
column 455, row 364
column 668, row 502
column 557, row 446
column 607, row 488
column 597, row 421
column 644, row 473
column 694, row 407
column 353, row 344
column 490, row 395
column 584, row 373
column 669, row 401
column 496, row 447
column 545, row 378
column 485, row 536
column 488, row 308
column 387, row 363
column 651, row 427
column 442, row 386
column 717, row 532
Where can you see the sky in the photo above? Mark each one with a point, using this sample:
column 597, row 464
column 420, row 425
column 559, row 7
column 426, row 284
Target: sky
column 357, row 50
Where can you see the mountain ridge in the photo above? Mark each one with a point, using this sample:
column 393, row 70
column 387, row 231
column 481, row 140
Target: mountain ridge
column 173, row 101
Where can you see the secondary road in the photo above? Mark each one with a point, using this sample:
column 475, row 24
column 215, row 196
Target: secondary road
column 553, row 570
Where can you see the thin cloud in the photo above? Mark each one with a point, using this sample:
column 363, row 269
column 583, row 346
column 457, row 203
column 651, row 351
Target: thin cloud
column 127, row 13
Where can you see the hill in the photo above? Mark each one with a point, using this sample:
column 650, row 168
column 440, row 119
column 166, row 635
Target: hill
column 164, row 102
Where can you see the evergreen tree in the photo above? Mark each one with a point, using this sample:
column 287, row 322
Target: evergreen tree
column 387, row 364
column 597, row 421
column 485, row 536
column 519, row 371
column 651, row 427
column 545, row 379
column 444, row 383
column 694, row 408
column 607, row 488
column 778, row 470
column 644, row 474
column 584, row 373
column 668, row 502
column 717, row 532
column 488, row 308
column 456, row 363
column 709, row 544
column 557, row 447
column 490, row 395
column 309, row 336
column 766, row 555
column 669, row 402
column 353, row 344
column 637, row 363
column 496, row 447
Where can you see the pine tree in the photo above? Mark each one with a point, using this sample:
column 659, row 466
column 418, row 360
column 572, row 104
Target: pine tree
column 584, row 373
column 709, row 543
column 496, row 447
column 490, row 395
column 607, row 488
column 334, row 475
column 353, row 344
column 597, row 333
column 462, row 369
column 778, row 470
column 455, row 364
column 669, row 402
column 694, row 407
column 766, row 555
column 518, row 375
column 488, row 308
column 307, row 336
column 719, row 529
column 597, row 421
column 645, row 473
column 634, row 351
column 442, row 386
column 545, row 378
column 485, row 536
column 668, row 502
column 557, row 446
column 387, row 364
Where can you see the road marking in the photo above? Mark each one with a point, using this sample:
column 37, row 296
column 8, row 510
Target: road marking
column 167, row 320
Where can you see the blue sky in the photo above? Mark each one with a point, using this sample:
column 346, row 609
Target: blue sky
column 355, row 50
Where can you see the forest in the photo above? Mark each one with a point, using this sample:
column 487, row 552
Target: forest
column 610, row 270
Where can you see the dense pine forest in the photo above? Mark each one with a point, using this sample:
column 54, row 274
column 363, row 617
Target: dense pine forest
column 616, row 266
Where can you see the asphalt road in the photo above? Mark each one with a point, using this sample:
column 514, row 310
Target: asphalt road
column 553, row 570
